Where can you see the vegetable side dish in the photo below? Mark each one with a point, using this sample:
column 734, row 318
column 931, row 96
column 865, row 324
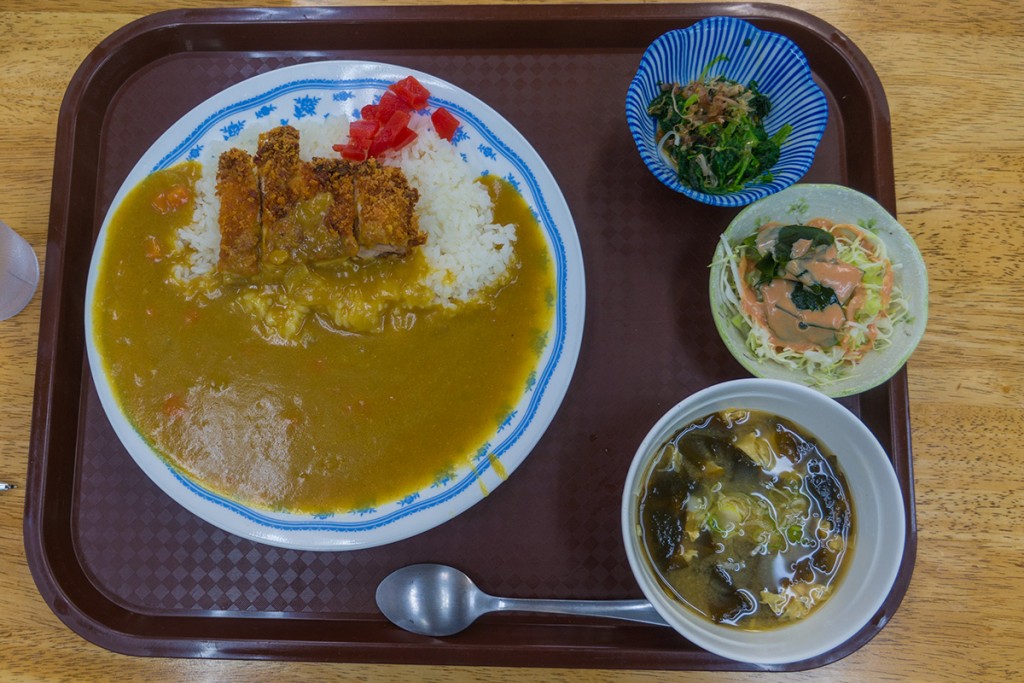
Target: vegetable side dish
column 746, row 519
column 712, row 131
column 814, row 297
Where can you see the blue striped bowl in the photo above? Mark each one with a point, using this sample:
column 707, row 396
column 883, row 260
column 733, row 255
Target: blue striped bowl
column 781, row 72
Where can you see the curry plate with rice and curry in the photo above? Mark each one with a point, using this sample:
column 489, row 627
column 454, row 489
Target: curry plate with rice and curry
column 326, row 327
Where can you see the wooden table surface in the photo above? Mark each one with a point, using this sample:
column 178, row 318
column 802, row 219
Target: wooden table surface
column 954, row 76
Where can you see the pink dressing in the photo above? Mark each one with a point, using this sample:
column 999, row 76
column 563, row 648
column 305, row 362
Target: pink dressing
column 792, row 327
column 798, row 329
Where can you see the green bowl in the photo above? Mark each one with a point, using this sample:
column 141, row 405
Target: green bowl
column 798, row 204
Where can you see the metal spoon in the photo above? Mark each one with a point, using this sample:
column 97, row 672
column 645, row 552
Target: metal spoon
column 435, row 600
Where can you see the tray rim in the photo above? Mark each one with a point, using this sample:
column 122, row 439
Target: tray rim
column 154, row 30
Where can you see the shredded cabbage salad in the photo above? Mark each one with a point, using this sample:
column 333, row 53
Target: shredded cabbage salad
column 871, row 328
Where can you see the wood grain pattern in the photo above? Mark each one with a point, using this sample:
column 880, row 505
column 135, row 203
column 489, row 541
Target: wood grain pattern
column 953, row 75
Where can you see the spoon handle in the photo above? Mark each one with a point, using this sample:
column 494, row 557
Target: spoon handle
column 629, row 610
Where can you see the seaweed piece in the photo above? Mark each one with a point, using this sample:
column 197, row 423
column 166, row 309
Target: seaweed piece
column 824, row 560
column 667, row 535
column 743, row 603
column 824, row 488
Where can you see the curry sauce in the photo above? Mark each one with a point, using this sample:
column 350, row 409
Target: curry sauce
column 342, row 421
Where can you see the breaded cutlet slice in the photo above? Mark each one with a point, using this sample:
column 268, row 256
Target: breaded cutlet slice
column 239, row 217
column 337, row 177
column 285, row 181
column 386, row 220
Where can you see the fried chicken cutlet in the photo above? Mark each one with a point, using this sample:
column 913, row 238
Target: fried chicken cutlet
column 312, row 213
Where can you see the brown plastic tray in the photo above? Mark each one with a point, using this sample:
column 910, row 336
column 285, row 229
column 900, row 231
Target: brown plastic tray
column 128, row 569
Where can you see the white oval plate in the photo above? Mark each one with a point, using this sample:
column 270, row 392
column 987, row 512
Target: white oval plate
column 489, row 145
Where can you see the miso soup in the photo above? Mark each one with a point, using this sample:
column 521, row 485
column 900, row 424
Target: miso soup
column 746, row 519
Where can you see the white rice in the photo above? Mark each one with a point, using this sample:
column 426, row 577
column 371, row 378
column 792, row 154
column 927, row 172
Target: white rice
column 466, row 252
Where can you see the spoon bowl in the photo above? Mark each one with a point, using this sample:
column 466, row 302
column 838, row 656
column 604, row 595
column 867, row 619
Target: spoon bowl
column 431, row 599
